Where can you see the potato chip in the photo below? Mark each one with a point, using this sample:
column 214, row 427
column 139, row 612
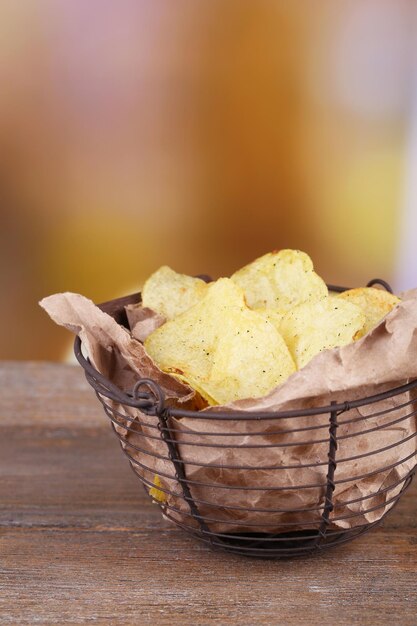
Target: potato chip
column 190, row 337
column 155, row 492
column 194, row 384
column 169, row 293
column 280, row 280
column 251, row 360
column 375, row 304
column 274, row 316
column 222, row 348
column 311, row 328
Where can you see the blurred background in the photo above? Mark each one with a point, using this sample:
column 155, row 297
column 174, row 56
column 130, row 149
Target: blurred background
column 200, row 135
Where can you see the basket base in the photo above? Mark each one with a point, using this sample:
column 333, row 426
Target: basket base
column 283, row 546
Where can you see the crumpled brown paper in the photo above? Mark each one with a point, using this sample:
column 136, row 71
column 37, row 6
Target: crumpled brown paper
column 143, row 321
column 248, row 476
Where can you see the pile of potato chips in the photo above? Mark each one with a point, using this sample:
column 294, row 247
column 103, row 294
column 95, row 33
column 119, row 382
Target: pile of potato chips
column 240, row 337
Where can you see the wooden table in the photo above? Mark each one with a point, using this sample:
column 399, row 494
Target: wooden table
column 80, row 542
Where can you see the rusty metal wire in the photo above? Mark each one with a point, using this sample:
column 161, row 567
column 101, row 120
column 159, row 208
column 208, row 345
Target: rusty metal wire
column 147, row 428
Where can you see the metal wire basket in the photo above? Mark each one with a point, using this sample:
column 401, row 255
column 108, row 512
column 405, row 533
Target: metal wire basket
column 148, row 430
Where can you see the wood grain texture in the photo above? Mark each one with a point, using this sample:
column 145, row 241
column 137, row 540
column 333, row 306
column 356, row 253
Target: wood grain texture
column 80, row 542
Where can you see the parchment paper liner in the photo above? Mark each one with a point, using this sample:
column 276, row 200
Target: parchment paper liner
column 383, row 359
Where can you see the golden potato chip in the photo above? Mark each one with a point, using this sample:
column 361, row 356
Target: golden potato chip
column 275, row 316
column 192, row 382
column 375, row 304
column 169, row 293
column 311, row 328
column 280, row 280
column 222, row 348
column 251, row 360
column 155, row 492
column 187, row 342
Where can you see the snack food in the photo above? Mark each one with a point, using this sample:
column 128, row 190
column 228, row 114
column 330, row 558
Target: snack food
column 221, row 348
column 243, row 336
column 155, row 491
column 280, row 280
column 168, row 293
column 310, row 328
column 374, row 303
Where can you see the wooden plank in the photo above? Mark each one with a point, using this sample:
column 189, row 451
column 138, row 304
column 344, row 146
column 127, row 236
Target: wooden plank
column 57, row 576
column 80, row 542
column 49, row 394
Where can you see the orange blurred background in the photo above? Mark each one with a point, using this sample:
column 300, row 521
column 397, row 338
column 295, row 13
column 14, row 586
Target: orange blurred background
column 200, row 135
